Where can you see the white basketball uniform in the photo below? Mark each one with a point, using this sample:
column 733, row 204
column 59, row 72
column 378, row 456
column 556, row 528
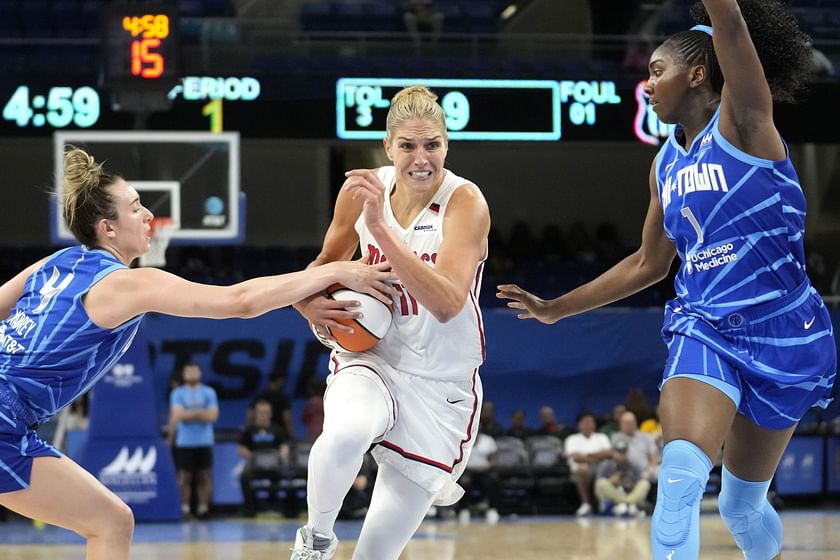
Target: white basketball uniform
column 427, row 370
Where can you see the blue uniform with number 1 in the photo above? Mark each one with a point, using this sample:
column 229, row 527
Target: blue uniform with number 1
column 745, row 318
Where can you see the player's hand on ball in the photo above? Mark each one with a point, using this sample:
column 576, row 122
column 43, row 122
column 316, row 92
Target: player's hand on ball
column 371, row 279
column 532, row 307
column 323, row 313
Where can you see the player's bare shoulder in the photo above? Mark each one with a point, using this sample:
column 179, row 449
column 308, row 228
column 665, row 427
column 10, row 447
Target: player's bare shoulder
column 468, row 199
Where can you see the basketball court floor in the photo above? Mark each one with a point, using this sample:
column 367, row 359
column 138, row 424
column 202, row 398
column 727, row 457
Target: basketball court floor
column 808, row 535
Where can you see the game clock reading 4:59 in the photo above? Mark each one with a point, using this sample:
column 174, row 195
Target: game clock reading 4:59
column 57, row 107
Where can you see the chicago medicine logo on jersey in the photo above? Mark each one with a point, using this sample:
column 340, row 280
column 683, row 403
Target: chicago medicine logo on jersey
column 122, row 376
column 713, row 257
column 132, row 477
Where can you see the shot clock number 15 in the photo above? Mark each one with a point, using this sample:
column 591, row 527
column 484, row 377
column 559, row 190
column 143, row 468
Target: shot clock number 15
column 147, row 31
column 140, row 44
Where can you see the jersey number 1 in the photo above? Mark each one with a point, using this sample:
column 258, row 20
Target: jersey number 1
column 688, row 214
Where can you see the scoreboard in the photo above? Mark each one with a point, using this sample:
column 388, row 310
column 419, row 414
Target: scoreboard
column 354, row 108
column 347, row 109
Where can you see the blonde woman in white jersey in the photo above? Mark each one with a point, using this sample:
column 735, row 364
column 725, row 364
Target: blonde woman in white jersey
column 414, row 396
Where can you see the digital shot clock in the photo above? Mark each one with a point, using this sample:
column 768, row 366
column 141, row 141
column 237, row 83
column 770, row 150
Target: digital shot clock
column 140, row 44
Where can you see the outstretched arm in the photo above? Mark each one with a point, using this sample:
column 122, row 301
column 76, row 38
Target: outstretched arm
column 124, row 294
column 648, row 265
column 746, row 102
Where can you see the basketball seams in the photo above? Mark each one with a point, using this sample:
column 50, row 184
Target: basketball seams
column 330, row 293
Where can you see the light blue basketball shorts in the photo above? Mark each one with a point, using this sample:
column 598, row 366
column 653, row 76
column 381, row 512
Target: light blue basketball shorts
column 774, row 360
column 19, row 442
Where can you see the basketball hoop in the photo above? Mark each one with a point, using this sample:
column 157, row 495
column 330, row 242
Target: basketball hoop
column 163, row 229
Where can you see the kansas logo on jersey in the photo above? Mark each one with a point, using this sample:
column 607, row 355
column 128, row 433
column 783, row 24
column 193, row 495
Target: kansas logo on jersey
column 692, row 178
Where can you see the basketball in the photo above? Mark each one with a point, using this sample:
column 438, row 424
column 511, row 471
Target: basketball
column 369, row 328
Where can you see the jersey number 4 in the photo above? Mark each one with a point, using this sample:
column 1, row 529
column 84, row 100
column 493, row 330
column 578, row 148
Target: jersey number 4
column 51, row 289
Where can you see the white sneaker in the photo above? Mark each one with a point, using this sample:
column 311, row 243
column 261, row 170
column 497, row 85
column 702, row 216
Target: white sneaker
column 620, row 509
column 464, row 516
column 584, row 510
column 312, row 546
column 492, row 516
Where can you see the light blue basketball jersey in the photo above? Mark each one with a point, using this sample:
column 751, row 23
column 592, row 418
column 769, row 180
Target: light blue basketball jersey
column 746, row 319
column 50, row 351
column 736, row 220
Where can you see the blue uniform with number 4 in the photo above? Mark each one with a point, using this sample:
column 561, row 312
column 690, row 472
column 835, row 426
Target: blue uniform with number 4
column 745, row 318
column 51, row 353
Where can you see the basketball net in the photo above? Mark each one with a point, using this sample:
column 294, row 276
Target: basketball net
column 162, row 231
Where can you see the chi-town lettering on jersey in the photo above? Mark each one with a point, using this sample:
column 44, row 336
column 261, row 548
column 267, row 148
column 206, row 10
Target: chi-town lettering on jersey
column 692, row 178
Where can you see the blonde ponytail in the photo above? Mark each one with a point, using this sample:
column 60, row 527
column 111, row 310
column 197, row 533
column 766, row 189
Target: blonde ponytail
column 86, row 199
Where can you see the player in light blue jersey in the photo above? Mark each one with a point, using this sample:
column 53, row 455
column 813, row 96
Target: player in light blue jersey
column 69, row 317
column 751, row 345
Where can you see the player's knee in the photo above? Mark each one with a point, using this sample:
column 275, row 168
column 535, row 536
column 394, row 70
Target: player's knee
column 123, row 522
column 682, row 481
column 351, row 439
column 754, row 524
column 114, row 522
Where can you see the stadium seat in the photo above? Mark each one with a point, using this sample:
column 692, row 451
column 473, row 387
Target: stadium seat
column 554, row 491
column 516, row 480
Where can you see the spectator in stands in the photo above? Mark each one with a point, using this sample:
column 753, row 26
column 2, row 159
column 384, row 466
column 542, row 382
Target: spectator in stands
column 265, row 448
column 611, row 426
column 487, row 423
column 637, row 403
column 642, row 451
column 550, row 426
column 480, row 481
column 652, row 427
column 518, row 429
column 313, row 411
column 620, row 483
column 584, row 450
column 423, row 16
column 193, row 410
column 280, row 406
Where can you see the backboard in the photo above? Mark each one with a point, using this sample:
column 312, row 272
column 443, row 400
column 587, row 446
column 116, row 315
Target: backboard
column 192, row 177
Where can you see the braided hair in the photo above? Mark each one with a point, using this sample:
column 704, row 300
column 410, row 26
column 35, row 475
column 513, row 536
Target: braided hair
column 784, row 50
